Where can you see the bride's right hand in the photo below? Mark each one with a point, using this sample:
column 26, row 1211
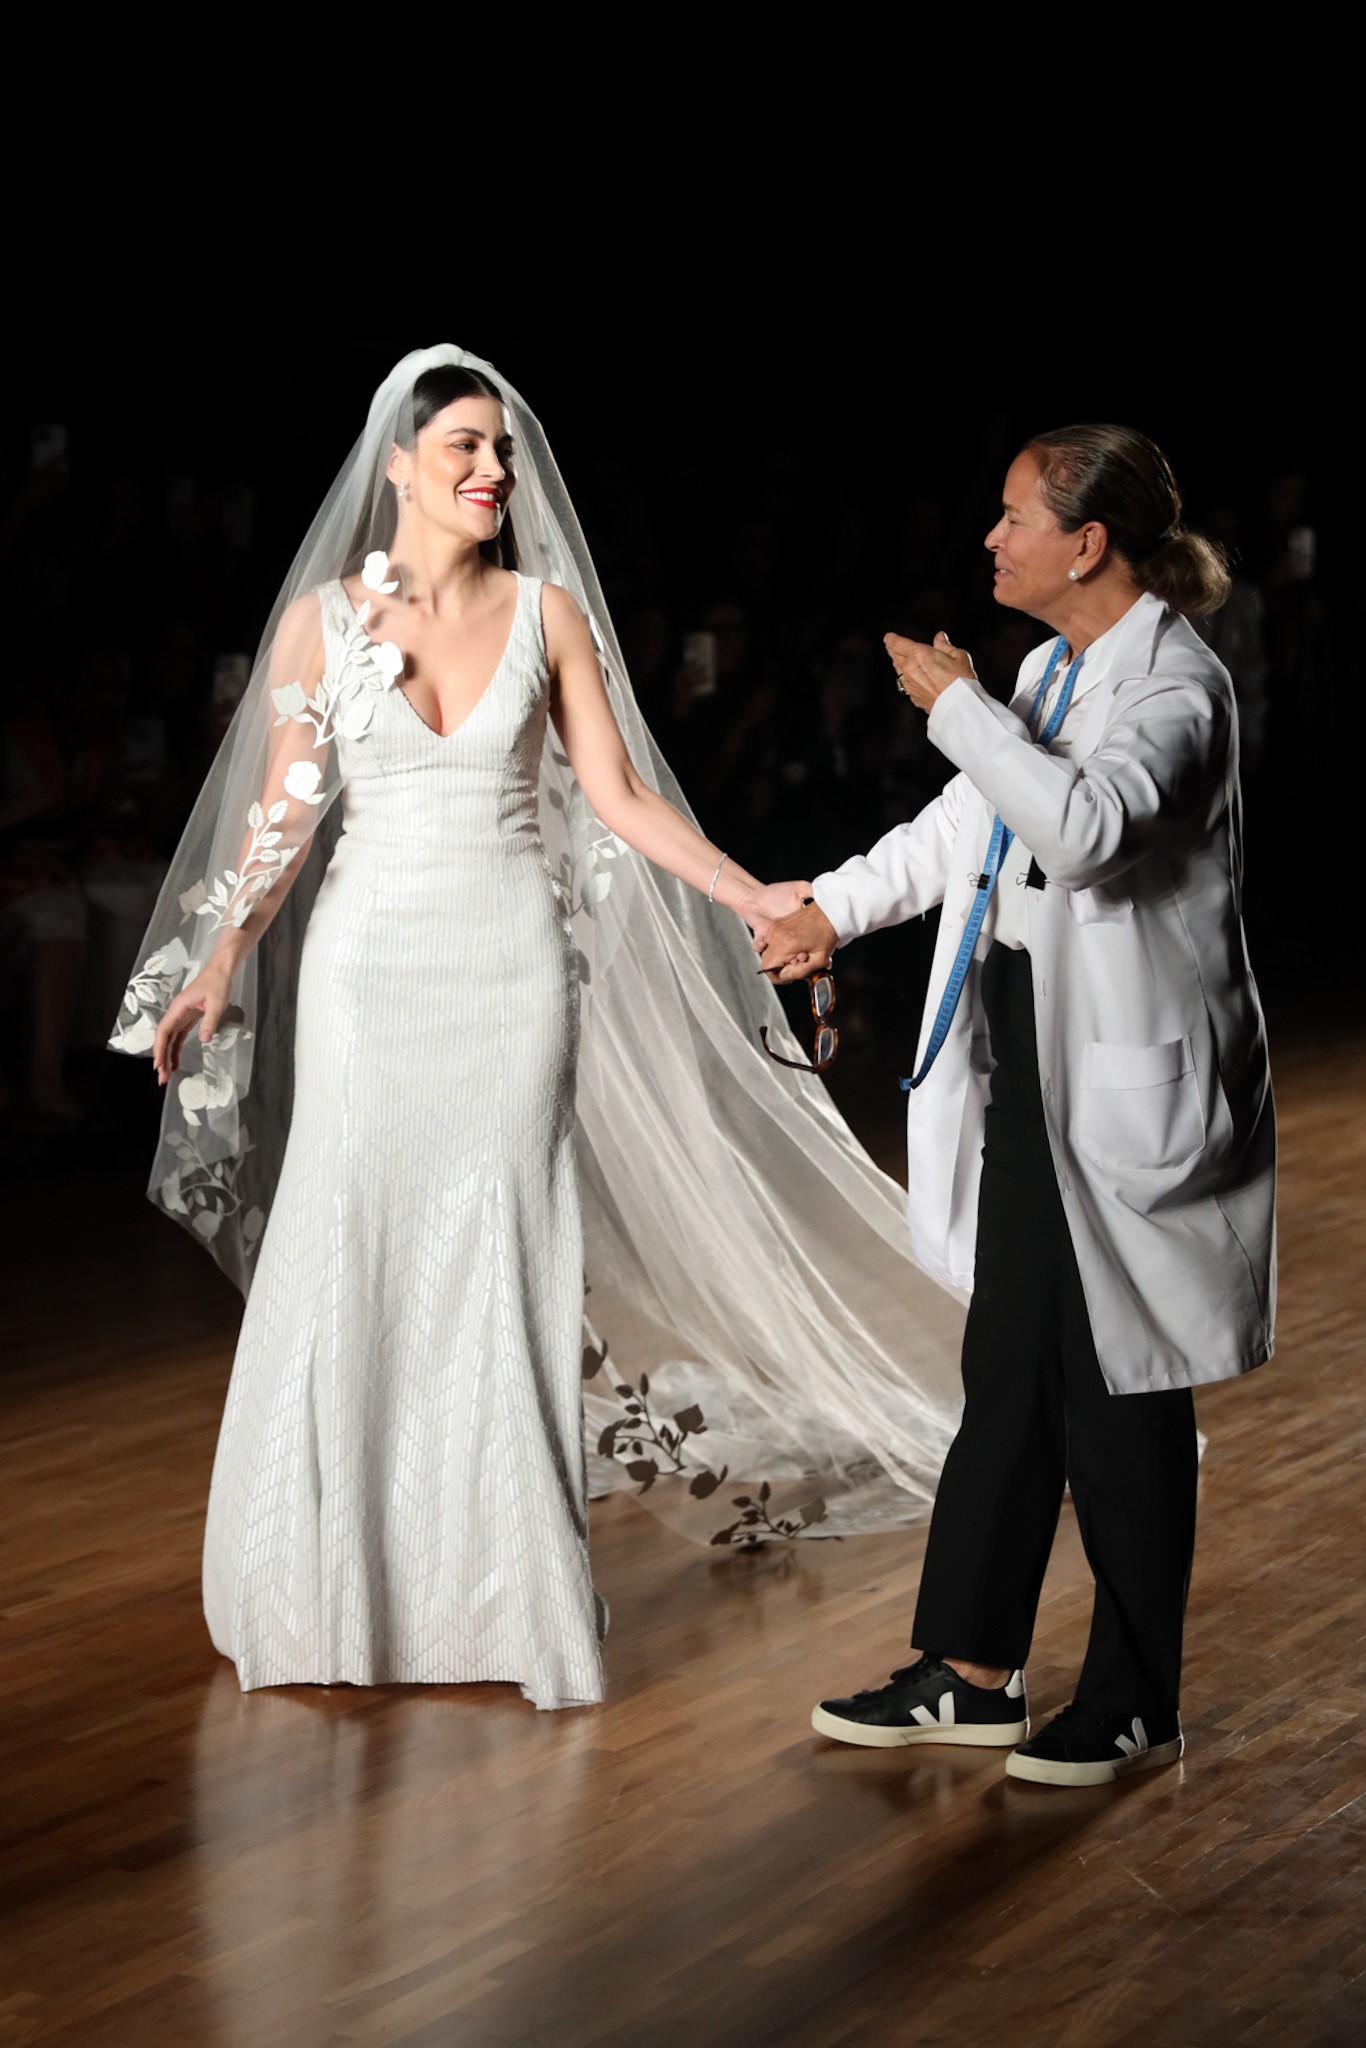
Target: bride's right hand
column 206, row 998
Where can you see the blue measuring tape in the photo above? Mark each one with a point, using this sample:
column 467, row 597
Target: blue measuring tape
column 997, row 849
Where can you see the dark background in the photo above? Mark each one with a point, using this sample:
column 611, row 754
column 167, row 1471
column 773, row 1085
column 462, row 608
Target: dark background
column 795, row 485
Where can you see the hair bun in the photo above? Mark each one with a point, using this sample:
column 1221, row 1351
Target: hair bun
column 1189, row 572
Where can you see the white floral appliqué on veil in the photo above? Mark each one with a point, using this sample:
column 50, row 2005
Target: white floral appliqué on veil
column 202, row 1186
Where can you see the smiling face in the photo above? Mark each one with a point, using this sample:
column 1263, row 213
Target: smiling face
column 459, row 475
column 1033, row 555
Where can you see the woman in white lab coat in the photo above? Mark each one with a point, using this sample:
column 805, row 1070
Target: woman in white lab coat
column 1091, row 1136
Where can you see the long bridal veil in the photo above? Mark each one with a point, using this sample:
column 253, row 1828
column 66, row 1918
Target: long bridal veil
column 762, row 1356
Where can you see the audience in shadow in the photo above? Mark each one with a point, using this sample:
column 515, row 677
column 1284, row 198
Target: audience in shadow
column 755, row 649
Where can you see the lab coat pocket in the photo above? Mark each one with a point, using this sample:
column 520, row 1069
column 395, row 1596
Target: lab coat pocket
column 1140, row 1106
column 1100, row 905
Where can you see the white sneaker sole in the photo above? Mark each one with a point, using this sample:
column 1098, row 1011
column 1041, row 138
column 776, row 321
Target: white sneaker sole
column 1042, row 1771
column 959, row 1734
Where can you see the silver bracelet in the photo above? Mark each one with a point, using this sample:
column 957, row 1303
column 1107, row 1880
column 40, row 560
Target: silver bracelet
column 711, row 893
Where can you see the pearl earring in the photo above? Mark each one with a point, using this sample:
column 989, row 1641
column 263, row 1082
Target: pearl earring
column 401, row 492
column 1071, row 575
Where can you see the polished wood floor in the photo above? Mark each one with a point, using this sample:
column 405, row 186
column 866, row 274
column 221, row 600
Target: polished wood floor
column 687, row 1867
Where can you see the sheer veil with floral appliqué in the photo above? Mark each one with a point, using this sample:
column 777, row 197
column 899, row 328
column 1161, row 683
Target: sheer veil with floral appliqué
column 738, row 1410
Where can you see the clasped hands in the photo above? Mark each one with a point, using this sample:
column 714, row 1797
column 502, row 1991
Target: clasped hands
column 924, row 673
column 800, row 944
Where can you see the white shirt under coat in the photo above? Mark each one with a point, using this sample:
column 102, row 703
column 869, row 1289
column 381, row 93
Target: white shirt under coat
column 1152, row 1050
column 1007, row 919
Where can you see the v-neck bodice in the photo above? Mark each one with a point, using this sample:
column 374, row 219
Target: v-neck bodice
column 404, row 783
column 362, row 622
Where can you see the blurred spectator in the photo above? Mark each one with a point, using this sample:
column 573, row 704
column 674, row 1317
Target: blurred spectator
column 42, row 919
column 1237, row 633
column 650, row 652
column 716, row 727
column 821, row 760
column 771, row 700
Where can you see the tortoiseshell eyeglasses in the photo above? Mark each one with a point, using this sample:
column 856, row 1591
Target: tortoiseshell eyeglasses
column 822, row 987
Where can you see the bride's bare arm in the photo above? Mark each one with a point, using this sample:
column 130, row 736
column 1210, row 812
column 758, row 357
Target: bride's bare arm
column 277, row 835
column 626, row 804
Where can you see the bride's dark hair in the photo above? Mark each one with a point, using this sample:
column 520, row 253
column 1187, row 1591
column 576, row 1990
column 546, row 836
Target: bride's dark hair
column 432, row 393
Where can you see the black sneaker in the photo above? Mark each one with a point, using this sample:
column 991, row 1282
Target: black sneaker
column 1083, row 1748
column 928, row 1702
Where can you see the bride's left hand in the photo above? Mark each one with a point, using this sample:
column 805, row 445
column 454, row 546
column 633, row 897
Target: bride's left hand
column 773, row 900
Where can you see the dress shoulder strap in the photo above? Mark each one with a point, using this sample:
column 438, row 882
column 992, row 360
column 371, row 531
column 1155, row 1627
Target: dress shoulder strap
column 529, row 620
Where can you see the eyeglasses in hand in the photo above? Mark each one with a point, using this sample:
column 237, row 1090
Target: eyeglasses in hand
column 822, row 987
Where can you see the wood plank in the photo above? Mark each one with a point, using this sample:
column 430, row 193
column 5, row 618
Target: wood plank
column 686, row 1865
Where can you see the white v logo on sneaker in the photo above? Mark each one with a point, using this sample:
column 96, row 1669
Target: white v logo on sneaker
column 927, row 1717
column 1139, row 1742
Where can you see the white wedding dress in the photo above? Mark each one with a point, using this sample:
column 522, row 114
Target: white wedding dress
column 399, row 1488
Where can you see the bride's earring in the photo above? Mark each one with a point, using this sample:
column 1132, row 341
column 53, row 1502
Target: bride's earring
column 401, row 491
column 1071, row 575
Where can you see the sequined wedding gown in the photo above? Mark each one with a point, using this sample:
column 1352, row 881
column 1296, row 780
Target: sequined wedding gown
column 398, row 1494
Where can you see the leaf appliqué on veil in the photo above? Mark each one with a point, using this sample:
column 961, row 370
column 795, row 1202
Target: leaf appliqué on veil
column 345, row 698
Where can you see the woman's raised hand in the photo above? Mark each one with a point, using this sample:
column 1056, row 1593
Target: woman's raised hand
column 924, row 673
column 206, row 998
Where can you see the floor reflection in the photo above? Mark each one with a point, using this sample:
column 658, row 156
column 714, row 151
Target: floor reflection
column 346, row 1840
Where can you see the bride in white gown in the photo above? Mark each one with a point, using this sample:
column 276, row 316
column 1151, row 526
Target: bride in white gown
column 399, row 1492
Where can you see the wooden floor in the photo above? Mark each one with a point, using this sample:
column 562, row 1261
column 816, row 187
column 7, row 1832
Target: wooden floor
column 445, row 1868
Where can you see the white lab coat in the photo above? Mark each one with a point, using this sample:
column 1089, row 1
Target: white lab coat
column 1152, row 1049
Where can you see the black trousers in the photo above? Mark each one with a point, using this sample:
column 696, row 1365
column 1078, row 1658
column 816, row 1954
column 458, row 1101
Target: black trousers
column 1038, row 1413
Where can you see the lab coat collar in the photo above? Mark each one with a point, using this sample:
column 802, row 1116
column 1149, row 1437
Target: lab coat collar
column 1129, row 647
column 1126, row 649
